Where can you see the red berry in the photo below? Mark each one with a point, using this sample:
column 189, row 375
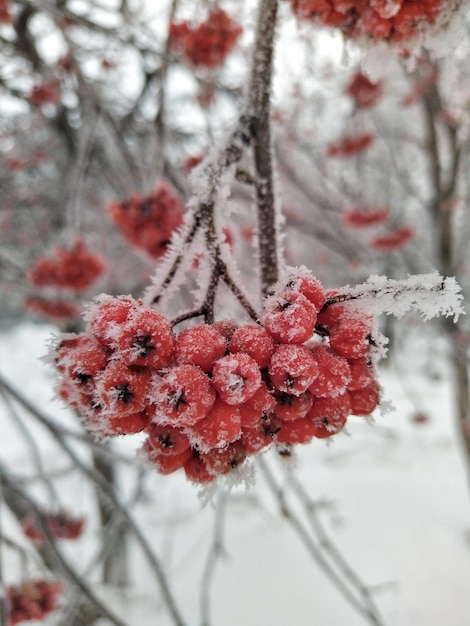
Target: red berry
column 200, row 345
column 128, row 424
column 309, row 287
column 289, row 407
column 182, row 397
column 221, row 426
column 293, row 369
column 351, row 337
column 362, row 373
column 330, row 414
column 167, row 439
column 224, row 460
column 289, row 317
column 145, row 339
column 333, row 373
column 80, row 358
column 226, row 328
column 255, row 341
column 364, row 401
column 196, row 469
column 260, row 405
column 261, row 435
column 165, row 463
column 122, row 391
column 106, row 317
column 236, row 377
column 296, row 431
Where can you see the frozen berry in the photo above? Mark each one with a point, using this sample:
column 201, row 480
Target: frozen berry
column 364, row 401
column 200, row 345
column 236, row 377
column 292, row 369
column 182, row 397
column 333, row 372
column 289, row 317
column 255, row 341
column 221, row 426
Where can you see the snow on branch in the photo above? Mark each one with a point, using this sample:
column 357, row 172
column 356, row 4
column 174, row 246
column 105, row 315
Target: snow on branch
column 431, row 295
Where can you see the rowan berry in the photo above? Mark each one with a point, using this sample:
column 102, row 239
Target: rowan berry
column 224, row 460
column 196, row 469
column 255, row 341
column 365, row 400
column 122, row 390
column 362, row 373
column 334, row 373
column 165, row 463
column 260, row 405
column 181, row 397
column 221, row 426
column 200, row 345
column 330, row 414
column 289, row 317
column 236, row 377
column 309, row 287
column 289, row 407
column 351, row 337
column 145, row 339
column 125, row 424
column 297, row 431
column 106, row 316
column 167, row 439
column 293, row 369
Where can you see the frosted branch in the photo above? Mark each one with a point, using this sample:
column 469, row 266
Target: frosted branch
column 431, row 295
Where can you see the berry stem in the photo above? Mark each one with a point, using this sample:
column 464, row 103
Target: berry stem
column 260, row 106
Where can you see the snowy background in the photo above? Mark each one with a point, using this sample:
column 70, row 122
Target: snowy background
column 392, row 496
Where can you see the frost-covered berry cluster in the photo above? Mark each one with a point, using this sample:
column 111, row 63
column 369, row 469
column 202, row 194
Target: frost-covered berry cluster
column 61, row 525
column 75, row 268
column 148, row 222
column 380, row 20
column 215, row 393
column 208, row 43
column 32, row 600
column 60, row 276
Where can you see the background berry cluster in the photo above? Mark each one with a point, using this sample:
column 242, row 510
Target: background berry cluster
column 216, row 393
column 392, row 20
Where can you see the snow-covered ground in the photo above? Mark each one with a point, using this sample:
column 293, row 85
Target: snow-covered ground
column 391, row 495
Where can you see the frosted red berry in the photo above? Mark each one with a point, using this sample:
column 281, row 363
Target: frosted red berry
column 292, row 369
column 365, row 400
column 254, row 340
column 121, row 390
column 221, row 426
column 289, row 407
column 289, row 317
column 200, row 345
column 236, row 377
column 167, row 439
column 182, row 397
column 334, row 373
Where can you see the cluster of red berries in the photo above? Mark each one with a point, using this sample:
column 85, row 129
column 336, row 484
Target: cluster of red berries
column 54, row 309
column 393, row 240
column 148, row 222
column 60, row 525
column 349, row 145
column 390, row 20
column 365, row 93
column 215, row 393
column 5, row 15
column 47, row 93
column 76, row 268
column 73, row 269
column 32, row 600
column 363, row 218
column 209, row 43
